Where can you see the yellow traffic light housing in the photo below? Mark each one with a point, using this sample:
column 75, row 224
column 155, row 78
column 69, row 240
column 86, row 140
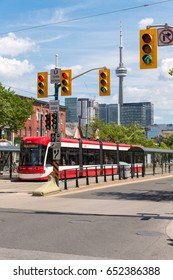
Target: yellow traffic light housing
column 104, row 82
column 148, row 48
column 66, row 83
column 42, row 84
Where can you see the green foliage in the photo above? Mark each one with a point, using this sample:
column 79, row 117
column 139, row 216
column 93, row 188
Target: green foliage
column 14, row 110
column 130, row 134
column 168, row 141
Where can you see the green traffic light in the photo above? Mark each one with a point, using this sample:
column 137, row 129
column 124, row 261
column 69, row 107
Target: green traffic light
column 103, row 89
column 147, row 59
column 54, row 126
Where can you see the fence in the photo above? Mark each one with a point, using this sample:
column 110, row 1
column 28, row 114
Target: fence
column 122, row 173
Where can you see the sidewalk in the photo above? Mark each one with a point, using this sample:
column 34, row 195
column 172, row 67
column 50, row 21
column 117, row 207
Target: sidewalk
column 16, row 186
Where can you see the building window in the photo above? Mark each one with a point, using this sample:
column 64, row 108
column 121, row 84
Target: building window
column 37, row 132
column 29, row 131
column 18, row 132
column 37, row 115
column 24, row 132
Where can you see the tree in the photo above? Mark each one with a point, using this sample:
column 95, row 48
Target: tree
column 14, row 110
column 130, row 134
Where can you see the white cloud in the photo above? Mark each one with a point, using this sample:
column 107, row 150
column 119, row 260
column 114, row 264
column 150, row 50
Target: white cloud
column 58, row 16
column 136, row 93
column 157, row 119
column 48, row 40
column 166, row 65
column 12, row 68
column 76, row 69
column 12, row 45
column 143, row 23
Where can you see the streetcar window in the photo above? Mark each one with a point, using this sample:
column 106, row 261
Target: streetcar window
column 32, row 155
column 124, row 156
column 109, row 157
column 49, row 158
column 69, row 156
column 91, row 156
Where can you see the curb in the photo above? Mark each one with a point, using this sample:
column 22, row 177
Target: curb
column 169, row 230
column 109, row 184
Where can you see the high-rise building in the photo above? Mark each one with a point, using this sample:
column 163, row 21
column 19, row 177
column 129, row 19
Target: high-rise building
column 85, row 110
column 103, row 116
column 142, row 113
column 112, row 111
column 108, row 113
column 71, row 104
column 82, row 110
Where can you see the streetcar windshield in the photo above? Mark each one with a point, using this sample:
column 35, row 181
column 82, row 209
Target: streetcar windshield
column 32, row 155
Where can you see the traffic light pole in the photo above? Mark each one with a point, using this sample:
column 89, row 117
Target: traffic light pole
column 56, row 163
column 57, row 86
column 56, row 130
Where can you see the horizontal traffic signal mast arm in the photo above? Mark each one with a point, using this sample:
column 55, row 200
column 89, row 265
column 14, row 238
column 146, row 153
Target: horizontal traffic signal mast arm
column 66, row 80
column 159, row 25
column 97, row 68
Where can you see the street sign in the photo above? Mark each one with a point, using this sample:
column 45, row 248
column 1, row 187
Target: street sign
column 165, row 36
column 55, row 137
column 55, row 75
column 54, row 106
column 56, row 145
column 56, row 154
column 55, row 141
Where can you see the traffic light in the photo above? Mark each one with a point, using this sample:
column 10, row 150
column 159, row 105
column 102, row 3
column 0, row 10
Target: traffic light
column 66, row 84
column 42, row 84
column 48, row 121
column 55, row 120
column 148, row 48
column 104, row 82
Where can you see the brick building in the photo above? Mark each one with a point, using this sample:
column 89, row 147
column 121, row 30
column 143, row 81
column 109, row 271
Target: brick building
column 35, row 125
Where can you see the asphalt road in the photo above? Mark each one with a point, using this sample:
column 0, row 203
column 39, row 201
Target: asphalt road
column 132, row 220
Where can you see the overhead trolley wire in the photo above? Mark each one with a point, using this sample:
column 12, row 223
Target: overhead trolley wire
column 89, row 16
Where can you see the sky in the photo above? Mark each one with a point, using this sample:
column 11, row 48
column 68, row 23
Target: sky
column 83, row 35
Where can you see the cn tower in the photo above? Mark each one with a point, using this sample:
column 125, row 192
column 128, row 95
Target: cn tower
column 121, row 72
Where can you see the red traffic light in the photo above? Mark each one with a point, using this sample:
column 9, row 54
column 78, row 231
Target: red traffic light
column 66, row 82
column 41, row 78
column 147, row 38
column 42, row 84
column 64, row 75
